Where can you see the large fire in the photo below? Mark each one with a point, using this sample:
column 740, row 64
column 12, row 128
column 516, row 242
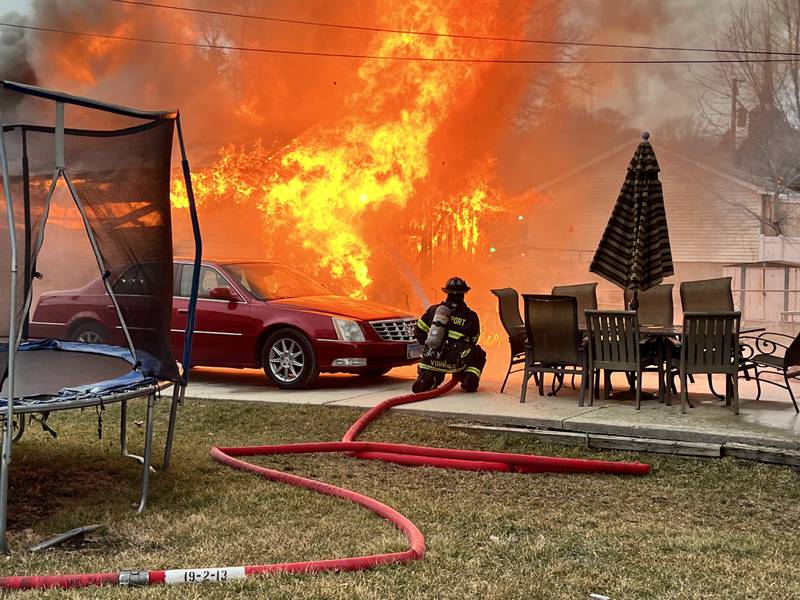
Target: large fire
column 329, row 194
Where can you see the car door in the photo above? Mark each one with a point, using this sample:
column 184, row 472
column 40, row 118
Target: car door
column 180, row 308
column 134, row 291
column 224, row 331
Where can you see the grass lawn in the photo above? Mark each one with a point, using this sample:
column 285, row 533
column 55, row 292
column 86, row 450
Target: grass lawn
column 690, row 529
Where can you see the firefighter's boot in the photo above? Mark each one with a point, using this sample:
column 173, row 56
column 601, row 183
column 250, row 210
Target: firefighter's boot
column 426, row 380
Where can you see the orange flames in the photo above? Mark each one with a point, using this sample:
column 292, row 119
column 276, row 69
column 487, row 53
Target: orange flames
column 321, row 194
column 81, row 61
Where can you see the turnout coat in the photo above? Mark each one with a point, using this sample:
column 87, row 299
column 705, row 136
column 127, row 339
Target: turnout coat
column 460, row 351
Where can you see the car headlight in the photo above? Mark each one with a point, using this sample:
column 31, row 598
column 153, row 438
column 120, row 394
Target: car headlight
column 348, row 330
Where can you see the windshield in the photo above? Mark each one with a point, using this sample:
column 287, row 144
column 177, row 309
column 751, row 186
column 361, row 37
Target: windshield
column 268, row 281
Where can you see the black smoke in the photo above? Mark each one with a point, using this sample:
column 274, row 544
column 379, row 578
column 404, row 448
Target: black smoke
column 15, row 61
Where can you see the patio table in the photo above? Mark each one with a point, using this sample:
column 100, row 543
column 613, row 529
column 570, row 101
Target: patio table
column 676, row 331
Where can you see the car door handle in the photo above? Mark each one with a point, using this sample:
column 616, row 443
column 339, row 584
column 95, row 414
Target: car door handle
column 183, row 311
column 110, row 307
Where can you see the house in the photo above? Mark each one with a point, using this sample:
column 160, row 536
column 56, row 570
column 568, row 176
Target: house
column 716, row 218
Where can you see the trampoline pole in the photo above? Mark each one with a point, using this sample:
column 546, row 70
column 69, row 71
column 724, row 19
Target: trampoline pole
column 26, row 199
column 198, row 257
column 173, row 415
column 123, row 428
column 123, row 434
column 148, row 450
column 12, row 347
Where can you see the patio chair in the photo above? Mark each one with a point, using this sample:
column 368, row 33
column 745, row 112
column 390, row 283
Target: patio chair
column 710, row 344
column 555, row 344
column 655, row 305
column 707, row 295
column 655, row 308
column 614, row 345
column 584, row 293
column 774, row 357
column 508, row 308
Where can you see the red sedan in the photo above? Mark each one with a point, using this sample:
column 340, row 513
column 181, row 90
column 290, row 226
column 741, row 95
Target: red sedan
column 249, row 314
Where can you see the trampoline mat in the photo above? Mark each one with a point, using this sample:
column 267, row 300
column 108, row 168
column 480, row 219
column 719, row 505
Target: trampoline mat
column 46, row 372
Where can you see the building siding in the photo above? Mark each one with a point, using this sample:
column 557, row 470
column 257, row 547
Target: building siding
column 712, row 217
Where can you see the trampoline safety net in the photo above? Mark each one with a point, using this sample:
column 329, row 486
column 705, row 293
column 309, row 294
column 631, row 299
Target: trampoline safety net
column 119, row 180
column 106, row 339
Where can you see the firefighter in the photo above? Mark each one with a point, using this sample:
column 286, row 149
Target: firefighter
column 449, row 334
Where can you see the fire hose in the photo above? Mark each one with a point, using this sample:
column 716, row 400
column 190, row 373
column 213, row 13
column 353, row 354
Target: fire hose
column 405, row 454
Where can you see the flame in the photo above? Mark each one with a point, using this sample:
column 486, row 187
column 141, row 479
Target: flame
column 317, row 193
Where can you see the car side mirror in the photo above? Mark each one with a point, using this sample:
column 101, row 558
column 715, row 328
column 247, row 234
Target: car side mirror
column 223, row 293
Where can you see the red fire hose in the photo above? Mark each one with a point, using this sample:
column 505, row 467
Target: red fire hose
column 405, row 454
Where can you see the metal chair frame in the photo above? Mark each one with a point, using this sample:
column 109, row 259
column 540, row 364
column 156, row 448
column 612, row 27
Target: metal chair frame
column 586, row 295
column 658, row 308
column 655, row 305
column 510, row 317
column 766, row 360
column 707, row 295
column 710, row 344
column 615, row 345
column 559, row 349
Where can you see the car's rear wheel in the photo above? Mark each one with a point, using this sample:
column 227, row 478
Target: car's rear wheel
column 377, row 372
column 89, row 333
column 289, row 360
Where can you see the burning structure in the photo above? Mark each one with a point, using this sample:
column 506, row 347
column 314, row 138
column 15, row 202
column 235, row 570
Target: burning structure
column 392, row 185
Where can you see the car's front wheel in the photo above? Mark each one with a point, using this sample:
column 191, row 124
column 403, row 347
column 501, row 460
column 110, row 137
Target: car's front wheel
column 289, row 360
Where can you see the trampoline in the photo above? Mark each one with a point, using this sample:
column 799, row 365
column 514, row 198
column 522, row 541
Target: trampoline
column 119, row 180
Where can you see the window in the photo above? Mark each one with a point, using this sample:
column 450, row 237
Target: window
column 209, row 279
column 268, row 281
column 140, row 280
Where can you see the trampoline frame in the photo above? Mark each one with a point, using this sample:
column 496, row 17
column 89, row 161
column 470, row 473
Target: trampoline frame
column 16, row 335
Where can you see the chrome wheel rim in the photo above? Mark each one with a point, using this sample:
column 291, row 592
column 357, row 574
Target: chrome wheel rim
column 90, row 337
column 286, row 360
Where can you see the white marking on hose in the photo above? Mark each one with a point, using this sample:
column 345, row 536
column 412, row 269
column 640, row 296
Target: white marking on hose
column 215, row 574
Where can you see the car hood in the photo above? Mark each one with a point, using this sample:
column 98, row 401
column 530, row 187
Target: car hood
column 343, row 306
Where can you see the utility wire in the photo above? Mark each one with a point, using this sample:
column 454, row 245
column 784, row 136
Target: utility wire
column 461, row 36
column 433, row 59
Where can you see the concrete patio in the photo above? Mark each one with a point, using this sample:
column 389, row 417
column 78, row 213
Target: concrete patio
column 767, row 430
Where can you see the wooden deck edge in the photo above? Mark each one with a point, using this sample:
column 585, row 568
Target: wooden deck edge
column 570, row 438
column 659, row 446
column 606, row 442
column 766, row 454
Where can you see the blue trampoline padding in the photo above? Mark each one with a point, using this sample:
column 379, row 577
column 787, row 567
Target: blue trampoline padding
column 147, row 363
column 141, row 374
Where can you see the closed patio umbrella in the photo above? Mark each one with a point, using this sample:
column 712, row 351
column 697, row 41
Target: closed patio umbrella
column 634, row 252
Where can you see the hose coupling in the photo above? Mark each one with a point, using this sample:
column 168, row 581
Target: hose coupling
column 134, row 578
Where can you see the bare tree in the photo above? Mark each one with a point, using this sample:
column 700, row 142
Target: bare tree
column 548, row 87
column 764, row 94
column 685, row 130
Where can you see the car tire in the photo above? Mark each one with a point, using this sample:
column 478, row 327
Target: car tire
column 89, row 333
column 376, row 372
column 289, row 361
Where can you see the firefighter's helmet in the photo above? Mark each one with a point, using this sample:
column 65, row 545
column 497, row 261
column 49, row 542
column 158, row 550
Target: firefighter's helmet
column 456, row 285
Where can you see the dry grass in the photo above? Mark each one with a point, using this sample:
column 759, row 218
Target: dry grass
column 691, row 529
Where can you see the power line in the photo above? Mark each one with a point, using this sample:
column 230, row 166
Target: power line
column 461, row 36
column 435, row 59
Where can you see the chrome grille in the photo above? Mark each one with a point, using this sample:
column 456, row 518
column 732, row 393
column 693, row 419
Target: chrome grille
column 395, row 330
